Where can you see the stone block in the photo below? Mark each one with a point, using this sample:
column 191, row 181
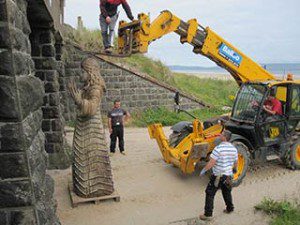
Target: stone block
column 129, row 78
column 4, row 35
column 15, row 194
column 62, row 85
column 49, row 148
column 48, row 63
column 41, row 75
column 51, row 87
column 140, row 91
column 46, row 125
column 54, row 137
column 13, row 166
column 37, row 156
column 23, row 217
column 46, row 37
column 13, row 10
column 6, row 59
column 57, row 125
column 11, row 137
column 60, row 68
column 143, row 97
column 122, row 79
column 31, row 126
column 50, row 112
column 17, row 19
column 113, row 93
column 23, row 65
column 26, row 25
column 50, row 75
column 22, row 5
column 48, row 50
column 127, row 92
column 106, row 66
column 9, row 99
column 35, row 50
column 4, row 216
column 46, row 100
column 31, row 94
column 3, row 11
column 54, row 99
column 133, row 85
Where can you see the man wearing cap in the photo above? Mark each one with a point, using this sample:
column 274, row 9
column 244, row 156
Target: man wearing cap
column 223, row 161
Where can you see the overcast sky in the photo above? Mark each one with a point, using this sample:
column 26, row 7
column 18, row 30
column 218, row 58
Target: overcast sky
column 268, row 31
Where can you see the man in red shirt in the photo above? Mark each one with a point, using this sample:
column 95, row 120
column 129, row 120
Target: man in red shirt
column 272, row 105
column 108, row 20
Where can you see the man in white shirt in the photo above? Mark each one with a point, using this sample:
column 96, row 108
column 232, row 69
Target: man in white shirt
column 223, row 160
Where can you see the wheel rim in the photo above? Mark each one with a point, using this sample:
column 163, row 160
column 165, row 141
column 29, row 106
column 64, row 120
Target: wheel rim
column 240, row 167
column 298, row 153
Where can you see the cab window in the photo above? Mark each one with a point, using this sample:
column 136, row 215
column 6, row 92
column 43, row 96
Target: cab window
column 295, row 101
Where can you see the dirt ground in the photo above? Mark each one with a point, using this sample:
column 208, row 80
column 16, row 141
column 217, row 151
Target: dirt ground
column 154, row 193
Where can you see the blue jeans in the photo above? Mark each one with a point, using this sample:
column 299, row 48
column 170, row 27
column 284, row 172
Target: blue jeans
column 108, row 30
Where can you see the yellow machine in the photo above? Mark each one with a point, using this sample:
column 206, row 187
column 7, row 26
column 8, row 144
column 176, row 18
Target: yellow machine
column 255, row 136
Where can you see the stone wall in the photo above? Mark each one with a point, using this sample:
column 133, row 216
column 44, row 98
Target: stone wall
column 72, row 61
column 25, row 189
column 49, row 70
column 138, row 91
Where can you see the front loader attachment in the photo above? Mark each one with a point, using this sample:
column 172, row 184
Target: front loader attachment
column 190, row 150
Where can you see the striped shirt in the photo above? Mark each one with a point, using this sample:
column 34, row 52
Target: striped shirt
column 225, row 155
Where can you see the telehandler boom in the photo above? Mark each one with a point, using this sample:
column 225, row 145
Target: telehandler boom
column 256, row 134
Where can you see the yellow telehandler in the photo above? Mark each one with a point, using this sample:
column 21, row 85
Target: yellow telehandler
column 256, row 134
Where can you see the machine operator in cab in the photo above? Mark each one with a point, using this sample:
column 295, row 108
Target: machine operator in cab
column 272, row 105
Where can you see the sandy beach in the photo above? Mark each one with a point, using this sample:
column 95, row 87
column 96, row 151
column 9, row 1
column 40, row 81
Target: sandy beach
column 153, row 192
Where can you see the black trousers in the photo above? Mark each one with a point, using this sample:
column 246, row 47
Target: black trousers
column 211, row 191
column 117, row 132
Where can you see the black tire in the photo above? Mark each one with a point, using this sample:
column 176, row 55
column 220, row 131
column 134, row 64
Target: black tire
column 292, row 155
column 243, row 165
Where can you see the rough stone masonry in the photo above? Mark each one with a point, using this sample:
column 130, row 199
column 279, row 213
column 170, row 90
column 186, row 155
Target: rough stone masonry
column 25, row 189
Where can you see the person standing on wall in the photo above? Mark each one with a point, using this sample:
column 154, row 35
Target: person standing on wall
column 108, row 19
column 223, row 161
column 116, row 118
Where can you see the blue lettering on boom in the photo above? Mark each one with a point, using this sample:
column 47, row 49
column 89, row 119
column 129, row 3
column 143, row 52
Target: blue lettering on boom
column 229, row 54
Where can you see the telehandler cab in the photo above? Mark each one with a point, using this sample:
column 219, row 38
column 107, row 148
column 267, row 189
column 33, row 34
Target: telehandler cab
column 256, row 134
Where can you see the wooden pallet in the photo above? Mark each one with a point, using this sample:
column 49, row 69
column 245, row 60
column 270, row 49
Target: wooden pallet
column 76, row 200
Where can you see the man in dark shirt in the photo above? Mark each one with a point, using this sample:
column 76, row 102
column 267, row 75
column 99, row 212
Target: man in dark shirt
column 116, row 118
column 108, row 20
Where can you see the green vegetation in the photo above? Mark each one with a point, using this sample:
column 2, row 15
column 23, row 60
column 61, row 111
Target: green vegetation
column 282, row 212
column 167, row 117
column 71, row 123
column 89, row 40
column 211, row 91
column 153, row 68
